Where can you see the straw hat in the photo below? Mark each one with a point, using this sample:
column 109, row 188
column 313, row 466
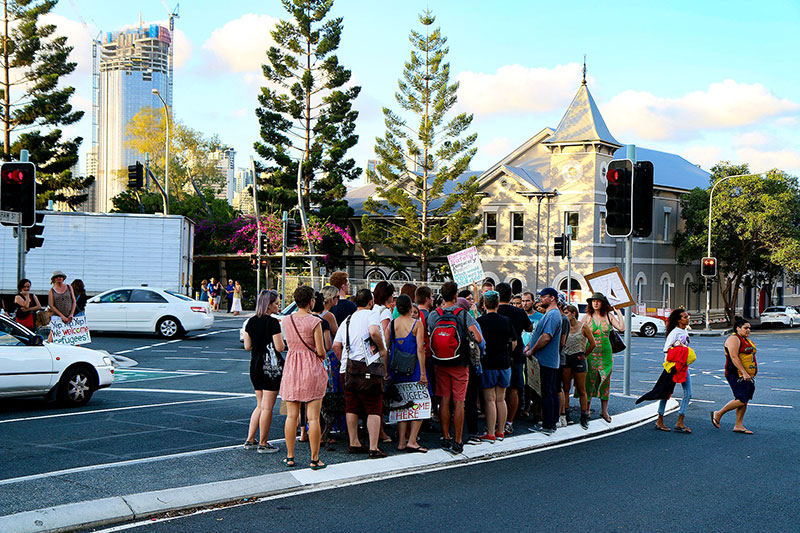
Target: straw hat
column 597, row 296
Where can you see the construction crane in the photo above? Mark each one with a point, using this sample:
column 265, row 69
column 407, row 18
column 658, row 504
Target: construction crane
column 174, row 14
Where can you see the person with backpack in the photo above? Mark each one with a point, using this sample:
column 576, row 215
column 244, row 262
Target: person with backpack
column 448, row 326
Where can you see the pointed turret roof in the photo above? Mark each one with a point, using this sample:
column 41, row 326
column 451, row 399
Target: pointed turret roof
column 582, row 122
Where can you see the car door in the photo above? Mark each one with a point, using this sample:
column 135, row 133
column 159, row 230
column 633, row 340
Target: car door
column 108, row 312
column 24, row 367
column 144, row 308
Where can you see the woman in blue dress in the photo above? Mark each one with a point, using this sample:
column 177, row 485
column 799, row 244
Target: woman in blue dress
column 406, row 334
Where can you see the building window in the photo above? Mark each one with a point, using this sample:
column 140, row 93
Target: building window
column 571, row 219
column 490, row 227
column 602, row 236
column 687, row 293
column 517, row 225
column 665, row 300
column 640, row 291
column 666, row 227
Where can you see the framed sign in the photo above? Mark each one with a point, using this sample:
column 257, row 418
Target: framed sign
column 612, row 285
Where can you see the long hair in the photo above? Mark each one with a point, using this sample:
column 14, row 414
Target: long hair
column 605, row 308
column 265, row 298
column 674, row 317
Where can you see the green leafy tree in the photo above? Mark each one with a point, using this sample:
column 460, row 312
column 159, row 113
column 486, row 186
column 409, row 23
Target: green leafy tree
column 423, row 208
column 306, row 112
column 188, row 206
column 34, row 106
column 755, row 227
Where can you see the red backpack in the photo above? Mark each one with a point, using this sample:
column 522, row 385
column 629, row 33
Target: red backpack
column 447, row 336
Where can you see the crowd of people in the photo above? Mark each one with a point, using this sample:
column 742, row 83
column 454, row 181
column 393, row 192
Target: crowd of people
column 212, row 291
column 64, row 302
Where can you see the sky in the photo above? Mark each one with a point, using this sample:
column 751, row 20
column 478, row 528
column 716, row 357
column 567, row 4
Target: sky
column 710, row 80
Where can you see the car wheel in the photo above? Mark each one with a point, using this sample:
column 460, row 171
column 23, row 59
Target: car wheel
column 76, row 386
column 649, row 330
column 168, row 327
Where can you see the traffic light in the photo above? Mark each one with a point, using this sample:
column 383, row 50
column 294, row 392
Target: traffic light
column 561, row 246
column 643, row 199
column 294, row 234
column 253, row 262
column 18, row 191
column 135, row 176
column 264, row 245
column 33, row 237
column 708, row 267
column 619, row 193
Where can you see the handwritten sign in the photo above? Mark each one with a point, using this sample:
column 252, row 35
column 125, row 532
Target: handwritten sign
column 76, row 332
column 610, row 283
column 416, row 394
column 466, row 267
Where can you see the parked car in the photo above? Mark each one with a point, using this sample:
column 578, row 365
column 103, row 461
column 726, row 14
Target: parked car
column 31, row 367
column 780, row 314
column 288, row 310
column 147, row 310
column 646, row 326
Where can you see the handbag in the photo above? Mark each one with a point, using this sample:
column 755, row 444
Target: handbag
column 474, row 350
column 360, row 377
column 614, row 338
column 272, row 367
column 403, row 363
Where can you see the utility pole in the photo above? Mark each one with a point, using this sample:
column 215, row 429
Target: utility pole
column 568, row 244
column 284, row 225
column 304, row 223
column 258, row 226
column 626, row 385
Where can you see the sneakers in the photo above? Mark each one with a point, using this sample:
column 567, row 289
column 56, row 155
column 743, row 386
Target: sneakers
column 249, row 445
column 488, row 438
column 268, row 448
column 509, row 429
column 474, row 439
column 499, row 435
column 548, row 432
column 584, row 421
column 569, row 420
column 457, row 448
column 562, row 421
column 535, row 428
column 447, row 444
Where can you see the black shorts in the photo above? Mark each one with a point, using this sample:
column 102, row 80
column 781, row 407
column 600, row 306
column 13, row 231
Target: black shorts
column 518, row 376
column 259, row 380
column 577, row 362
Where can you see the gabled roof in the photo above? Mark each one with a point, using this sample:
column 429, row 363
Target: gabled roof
column 582, row 122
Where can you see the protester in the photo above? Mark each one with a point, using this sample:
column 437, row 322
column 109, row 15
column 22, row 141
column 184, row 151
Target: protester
column 408, row 289
column 447, row 328
column 531, row 399
column 344, row 307
column 602, row 317
column 229, row 289
column 516, row 301
column 383, row 295
column 740, row 370
column 218, row 290
column 580, row 343
column 424, row 300
column 212, row 294
column 520, row 322
column 61, row 299
column 25, row 303
column 359, row 339
column 563, row 402
column 495, row 365
column 204, row 290
column 487, row 285
column 330, row 297
column 236, row 305
column 80, row 296
column 546, row 350
column 262, row 336
column 471, row 407
column 406, row 335
column 304, row 376
column 677, row 336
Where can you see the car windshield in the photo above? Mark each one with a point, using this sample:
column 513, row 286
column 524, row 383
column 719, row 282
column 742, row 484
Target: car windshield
column 179, row 296
column 774, row 309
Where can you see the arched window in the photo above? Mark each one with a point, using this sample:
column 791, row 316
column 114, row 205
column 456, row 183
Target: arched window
column 665, row 295
column 516, row 285
column 687, row 291
column 640, row 282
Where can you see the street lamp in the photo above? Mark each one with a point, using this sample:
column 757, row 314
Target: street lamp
column 166, row 148
column 708, row 249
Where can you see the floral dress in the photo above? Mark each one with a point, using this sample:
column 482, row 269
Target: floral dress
column 600, row 360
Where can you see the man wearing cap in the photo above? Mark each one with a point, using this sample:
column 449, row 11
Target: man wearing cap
column 546, row 350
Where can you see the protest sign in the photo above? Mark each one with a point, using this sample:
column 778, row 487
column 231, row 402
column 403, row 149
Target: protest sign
column 466, row 267
column 415, row 403
column 611, row 284
column 76, row 332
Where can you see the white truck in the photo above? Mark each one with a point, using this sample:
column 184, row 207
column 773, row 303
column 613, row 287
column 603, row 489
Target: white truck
column 105, row 250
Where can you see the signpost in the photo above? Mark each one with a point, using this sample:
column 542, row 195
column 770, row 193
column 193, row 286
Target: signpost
column 10, row 217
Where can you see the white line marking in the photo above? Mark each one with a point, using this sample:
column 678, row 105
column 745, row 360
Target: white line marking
column 701, row 401
column 713, row 385
column 246, row 360
column 184, row 391
column 190, row 358
column 158, row 371
column 787, row 390
column 205, row 371
column 769, row 405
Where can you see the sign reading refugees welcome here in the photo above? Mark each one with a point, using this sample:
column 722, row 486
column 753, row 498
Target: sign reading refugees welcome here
column 466, row 267
column 414, row 403
column 76, row 332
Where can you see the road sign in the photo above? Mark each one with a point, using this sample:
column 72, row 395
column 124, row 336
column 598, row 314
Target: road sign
column 10, row 217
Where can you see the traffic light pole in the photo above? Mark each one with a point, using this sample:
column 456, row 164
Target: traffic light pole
column 258, row 227
column 568, row 244
column 22, row 236
column 284, row 224
column 626, row 385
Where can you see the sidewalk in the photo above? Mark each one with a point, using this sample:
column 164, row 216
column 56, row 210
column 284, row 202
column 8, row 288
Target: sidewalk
column 152, row 486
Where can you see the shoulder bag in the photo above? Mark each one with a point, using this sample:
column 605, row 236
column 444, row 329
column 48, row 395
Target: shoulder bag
column 360, row 377
column 614, row 338
column 403, row 363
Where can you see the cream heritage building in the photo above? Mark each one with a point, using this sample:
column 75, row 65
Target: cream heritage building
column 556, row 179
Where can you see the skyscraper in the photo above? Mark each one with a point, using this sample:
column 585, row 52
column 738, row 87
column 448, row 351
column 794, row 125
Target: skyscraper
column 133, row 62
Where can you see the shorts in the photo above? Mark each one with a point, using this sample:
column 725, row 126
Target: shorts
column 495, row 378
column 577, row 362
column 560, row 378
column 357, row 403
column 742, row 390
column 452, row 381
column 517, row 376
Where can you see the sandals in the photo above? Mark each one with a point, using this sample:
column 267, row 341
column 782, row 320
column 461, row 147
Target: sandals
column 289, row 462
column 743, row 431
column 357, row 449
column 682, row 429
column 316, row 465
column 377, row 454
column 662, row 428
column 415, row 449
column 714, row 420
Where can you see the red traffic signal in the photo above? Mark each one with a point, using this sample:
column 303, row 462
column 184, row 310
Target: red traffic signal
column 619, row 198
column 708, row 267
column 18, row 191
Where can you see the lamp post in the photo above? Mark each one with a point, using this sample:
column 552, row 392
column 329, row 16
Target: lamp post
column 708, row 248
column 166, row 147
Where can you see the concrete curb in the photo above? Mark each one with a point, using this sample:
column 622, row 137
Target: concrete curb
column 96, row 513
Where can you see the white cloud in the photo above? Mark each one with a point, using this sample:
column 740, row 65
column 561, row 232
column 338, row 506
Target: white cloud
column 239, row 113
column 705, row 156
column 79, row 37
column 753, row 139
column 727, row 104
column 516, row 88
column 241, row 44
column 763, row 160
column 496, row 148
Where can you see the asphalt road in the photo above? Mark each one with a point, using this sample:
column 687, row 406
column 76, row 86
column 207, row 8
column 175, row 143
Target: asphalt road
column 186, row 399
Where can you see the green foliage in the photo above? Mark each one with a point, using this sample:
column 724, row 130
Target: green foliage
column 188, row 206
column 33, row 105
column 755, row 226
column 421, row 208
column 305, row 111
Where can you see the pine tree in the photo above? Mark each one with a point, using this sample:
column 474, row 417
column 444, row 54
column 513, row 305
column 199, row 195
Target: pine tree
column 307, row 112
column 33, row 105
column 423, row 207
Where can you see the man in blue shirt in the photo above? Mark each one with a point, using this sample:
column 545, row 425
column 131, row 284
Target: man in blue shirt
column 548, row 339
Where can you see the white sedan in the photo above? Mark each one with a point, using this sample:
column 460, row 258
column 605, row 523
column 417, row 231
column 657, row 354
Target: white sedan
column 31, row 367
column 288, row 310
column 780, row 314
column 147, row 310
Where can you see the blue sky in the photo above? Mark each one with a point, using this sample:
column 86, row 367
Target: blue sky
column 708, row 80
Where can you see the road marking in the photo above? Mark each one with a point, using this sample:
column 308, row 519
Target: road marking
column 787, row 390
column 769, row 405
column 245, row 360
column 713, row 385
column 190, row 358
column 184, row 391
column 701, row 401
column 114, row 409
column 166, row 351
column 205, row 371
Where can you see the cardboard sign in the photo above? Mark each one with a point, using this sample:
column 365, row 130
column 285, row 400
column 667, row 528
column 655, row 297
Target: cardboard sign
column 411, row 392
column 466, row 267
column 76, row 332
column 612, row 285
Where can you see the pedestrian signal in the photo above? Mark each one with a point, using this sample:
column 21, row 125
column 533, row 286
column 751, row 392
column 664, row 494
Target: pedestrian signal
column 708, row 267
column 619, row 198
